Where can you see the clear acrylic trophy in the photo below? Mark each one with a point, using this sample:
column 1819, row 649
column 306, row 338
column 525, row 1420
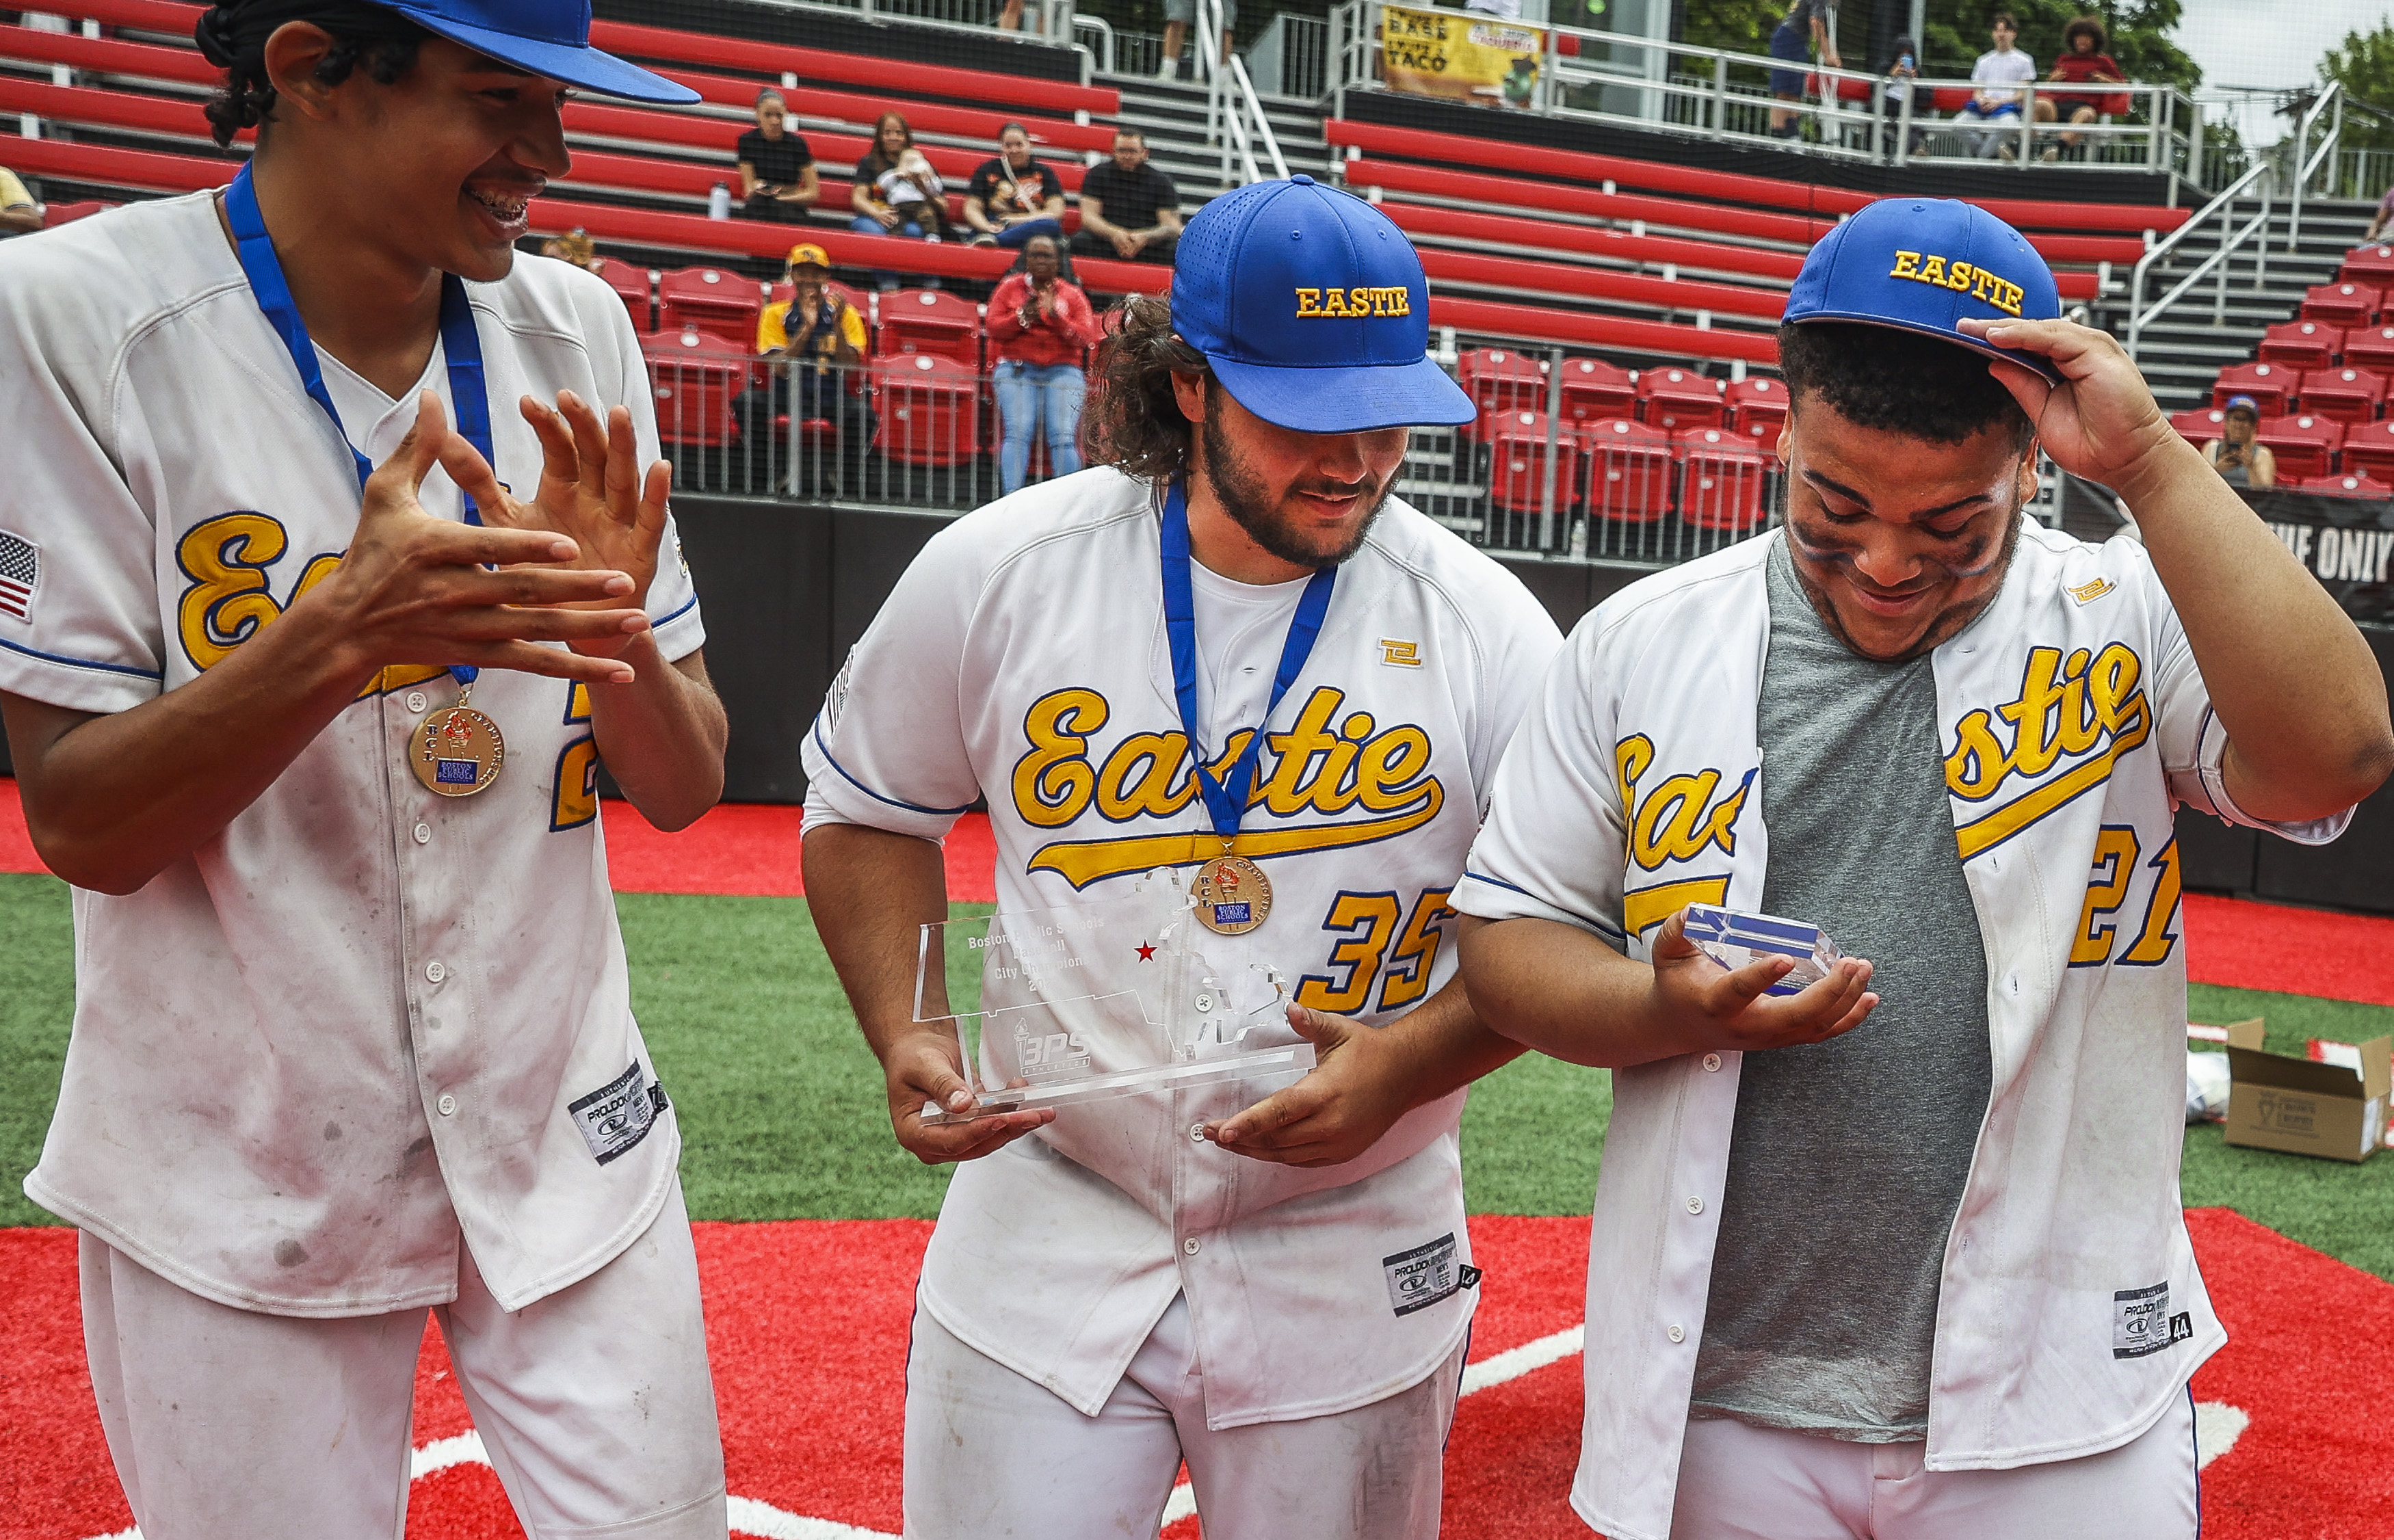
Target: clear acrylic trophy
column 1059, row 1006
column 1733, row 938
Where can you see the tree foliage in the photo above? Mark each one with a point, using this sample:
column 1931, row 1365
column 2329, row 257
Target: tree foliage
column 2363, row 65
column 1958, row 35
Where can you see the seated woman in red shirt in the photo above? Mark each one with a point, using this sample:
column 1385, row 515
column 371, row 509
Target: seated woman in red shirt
column 2082, row 62
column 1041, row 326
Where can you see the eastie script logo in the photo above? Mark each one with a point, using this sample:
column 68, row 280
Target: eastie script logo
column 1326, row 765
column 1674, row 818
column 2074, row 719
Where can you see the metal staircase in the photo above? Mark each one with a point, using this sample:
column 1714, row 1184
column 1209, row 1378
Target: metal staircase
column 2184, row 349
column 1172, row 114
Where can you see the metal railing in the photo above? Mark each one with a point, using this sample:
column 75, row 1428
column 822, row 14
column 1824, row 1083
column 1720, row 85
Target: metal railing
column 1852, row 114
column 2256, row 232
column 1291, row 57
column 2306, row 161
column 2361, row 172
column 1234, row 115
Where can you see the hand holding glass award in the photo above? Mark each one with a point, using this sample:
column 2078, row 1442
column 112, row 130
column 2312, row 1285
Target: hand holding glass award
column 1098, row 1000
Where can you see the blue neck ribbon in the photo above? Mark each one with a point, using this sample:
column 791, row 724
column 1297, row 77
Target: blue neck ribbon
column 1226, row 799
column 459, row 343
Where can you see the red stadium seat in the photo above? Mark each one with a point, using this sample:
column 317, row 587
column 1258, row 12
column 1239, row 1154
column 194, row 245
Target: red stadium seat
column 1517, row 463
column 634, row 287
column 1630, row 470
column 718, row 301
column 1757, row 410
column 1499, row 380
column 929, row 408
column 2301, row 345
column 2303, row 445
column 2345, row 305
column 2347, row 395
column 2369, row 450
column 2349, row 485
column 2370, row 265
column 2200, row 426
column 694, row 376
column 2272, row 386
column 55, row 215
column 930, row 320
column 1595, row 390
column 1674, row 400
column 2371, row 347
column 1722, row 484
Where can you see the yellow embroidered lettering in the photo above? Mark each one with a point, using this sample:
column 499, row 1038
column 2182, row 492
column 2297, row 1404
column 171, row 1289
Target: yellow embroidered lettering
column 1959, row 278
column 1907, row 265
column 1309, row 302
column 1932, row 270
column 1359, row 302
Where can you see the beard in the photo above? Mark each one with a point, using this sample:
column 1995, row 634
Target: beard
column 1947, row 622
column 1254, row 507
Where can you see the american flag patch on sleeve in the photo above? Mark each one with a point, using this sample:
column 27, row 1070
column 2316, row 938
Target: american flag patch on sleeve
column 20, row 574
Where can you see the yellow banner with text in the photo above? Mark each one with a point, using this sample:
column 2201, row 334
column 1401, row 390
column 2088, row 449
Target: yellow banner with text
column 1461, row 56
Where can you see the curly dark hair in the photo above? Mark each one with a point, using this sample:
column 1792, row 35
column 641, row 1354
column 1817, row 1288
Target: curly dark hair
column 232, row 36
column 1133, row 420
column 1899, row 382
column 2093, row 24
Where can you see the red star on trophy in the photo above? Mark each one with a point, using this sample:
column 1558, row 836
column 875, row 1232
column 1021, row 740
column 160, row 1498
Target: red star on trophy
column 1146, row 953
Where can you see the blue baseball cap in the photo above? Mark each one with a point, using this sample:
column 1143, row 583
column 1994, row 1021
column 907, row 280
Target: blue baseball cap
column 551, row 38
column 1312, row 309
column 1923, row 265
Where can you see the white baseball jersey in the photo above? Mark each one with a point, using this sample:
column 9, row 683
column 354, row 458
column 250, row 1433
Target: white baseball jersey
column 364, row 1018
column 1024, row 655
column 2070, row 1313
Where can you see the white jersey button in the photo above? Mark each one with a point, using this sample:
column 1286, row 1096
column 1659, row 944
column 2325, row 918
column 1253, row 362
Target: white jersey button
column 1189, row 1245
column 1695, row 1205
column 434, row 971
column 423, row 834
column 1712, row 1063
column 415, row 700
column 1677, row 1333
column 447, row 1105
column 1197, row 1133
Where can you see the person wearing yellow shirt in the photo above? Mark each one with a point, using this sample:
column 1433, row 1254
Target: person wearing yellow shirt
column 819, row 338
column 19, row 214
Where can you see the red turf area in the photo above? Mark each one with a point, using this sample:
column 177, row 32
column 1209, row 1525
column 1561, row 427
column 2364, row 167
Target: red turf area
column 810, row 1381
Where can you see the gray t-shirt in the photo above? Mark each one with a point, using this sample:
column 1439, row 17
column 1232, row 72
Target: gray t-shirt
column 1848, row 1157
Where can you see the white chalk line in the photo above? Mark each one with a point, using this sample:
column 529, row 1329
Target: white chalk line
column 2218, row 1426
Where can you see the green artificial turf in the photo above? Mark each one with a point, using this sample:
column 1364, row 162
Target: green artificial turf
column 783, row 1117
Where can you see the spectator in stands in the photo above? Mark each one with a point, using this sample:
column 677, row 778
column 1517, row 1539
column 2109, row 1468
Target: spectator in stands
column 1013, row 197
column 2239, row 460
column 1902, row 72
column 1129, row 209
column 574, row 246
column 1807, row 28
column 19, row 214
column 2378, row 221
column 777, row 170
column 2082, row 62
column 1177, row 16
column 2001, row 65
column 1041, row 326
column 877, row 175
column 813, row 338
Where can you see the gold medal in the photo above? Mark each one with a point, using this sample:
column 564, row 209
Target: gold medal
column 1233, row 896
column 458, row 750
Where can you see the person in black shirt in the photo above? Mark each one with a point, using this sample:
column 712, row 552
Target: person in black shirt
column 1129, row 209
column 777, row 170
column 1807, row 26
column 1013, row 197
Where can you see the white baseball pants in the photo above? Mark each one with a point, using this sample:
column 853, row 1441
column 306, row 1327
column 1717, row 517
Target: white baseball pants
column 595, row 1405
column 1737, row 1482
column 991, row 1455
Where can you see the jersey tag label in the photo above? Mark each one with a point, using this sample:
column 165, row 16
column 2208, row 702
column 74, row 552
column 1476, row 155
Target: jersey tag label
column 1420, row 1277
column 1400, row 654
column 2087, row 593
column 619, row 1114
column 20, row 576
column 2141, row 1321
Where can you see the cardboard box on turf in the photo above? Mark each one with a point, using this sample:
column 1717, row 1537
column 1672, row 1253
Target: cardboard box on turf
column 2276, row 1102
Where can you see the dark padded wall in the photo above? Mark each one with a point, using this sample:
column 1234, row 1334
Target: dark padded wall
column 1009, row 52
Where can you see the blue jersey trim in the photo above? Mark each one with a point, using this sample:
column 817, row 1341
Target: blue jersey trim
column 689, row 604
column 891, row 801
column 1605, row 926
column 83, row 663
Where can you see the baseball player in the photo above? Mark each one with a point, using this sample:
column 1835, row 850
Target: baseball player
column 1900, row 1255
column 284, row 683
column 1225, row 647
